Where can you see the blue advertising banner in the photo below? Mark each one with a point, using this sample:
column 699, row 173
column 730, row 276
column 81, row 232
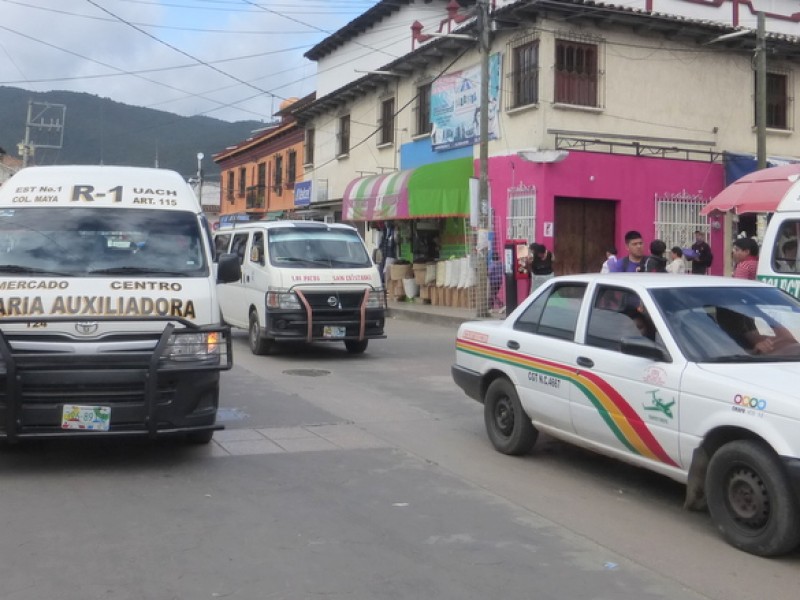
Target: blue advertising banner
column 455, row 106
column 302, row 194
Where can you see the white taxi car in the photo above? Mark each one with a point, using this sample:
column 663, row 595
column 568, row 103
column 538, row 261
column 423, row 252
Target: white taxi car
column 695, row 378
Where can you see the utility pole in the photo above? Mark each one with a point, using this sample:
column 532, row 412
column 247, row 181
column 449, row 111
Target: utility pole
column 51, row 132
column 761, row 91
column 200, row 157
column 482, row 300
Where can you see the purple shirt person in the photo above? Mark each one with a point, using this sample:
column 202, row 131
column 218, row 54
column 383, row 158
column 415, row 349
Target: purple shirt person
column 632, row 262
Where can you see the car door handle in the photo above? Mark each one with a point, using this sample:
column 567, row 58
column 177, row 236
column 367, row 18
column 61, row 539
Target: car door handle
column 512, row 344
column 585, row 362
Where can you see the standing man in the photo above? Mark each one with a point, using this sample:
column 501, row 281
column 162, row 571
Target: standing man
column 701, row 260
column 632, row 262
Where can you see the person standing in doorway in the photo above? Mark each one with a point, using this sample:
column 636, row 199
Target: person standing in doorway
column 632, row 262
column 701, row 260
column 745, row 255
column 541, row 265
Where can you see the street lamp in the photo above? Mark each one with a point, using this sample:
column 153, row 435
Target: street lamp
column 200, row 157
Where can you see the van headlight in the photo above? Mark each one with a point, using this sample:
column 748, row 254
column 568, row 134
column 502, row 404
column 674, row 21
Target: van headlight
column 376, row 299
column 189, row 346
column 283, row 300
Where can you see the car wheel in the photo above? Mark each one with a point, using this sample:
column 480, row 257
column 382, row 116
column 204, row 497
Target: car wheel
column 258, row 345
column 200, row 437
column 356, row 346
column 509, row 427
column 750, row 499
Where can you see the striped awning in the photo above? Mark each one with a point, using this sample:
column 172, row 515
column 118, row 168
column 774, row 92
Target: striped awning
column 434, row 190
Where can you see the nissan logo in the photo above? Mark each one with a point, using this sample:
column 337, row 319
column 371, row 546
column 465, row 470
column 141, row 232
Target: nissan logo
column 87, row 328
column 332, row 301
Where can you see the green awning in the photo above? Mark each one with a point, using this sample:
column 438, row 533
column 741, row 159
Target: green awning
column 440, row 189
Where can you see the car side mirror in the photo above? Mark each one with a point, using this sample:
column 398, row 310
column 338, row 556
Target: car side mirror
column 644, row 348
column 228, row 268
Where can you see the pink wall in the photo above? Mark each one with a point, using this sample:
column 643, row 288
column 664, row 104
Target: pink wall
column 631, row 181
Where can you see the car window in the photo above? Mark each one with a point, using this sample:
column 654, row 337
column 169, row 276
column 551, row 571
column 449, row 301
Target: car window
column 221, row 242
column 784, row 252
column 554, row 314
column 729, row 324
column 239, row 245
column 617, row 313
column 257, row 248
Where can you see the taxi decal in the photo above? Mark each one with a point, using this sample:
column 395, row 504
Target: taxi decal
column 620, row 417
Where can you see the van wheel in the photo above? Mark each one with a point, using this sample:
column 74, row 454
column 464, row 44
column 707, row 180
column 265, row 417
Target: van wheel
column 509, row 428
column 258, row 345
column 750, row 499
column 356, row 346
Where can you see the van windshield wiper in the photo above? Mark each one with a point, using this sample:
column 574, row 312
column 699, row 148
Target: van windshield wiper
column 37, row 270
column 134, row 270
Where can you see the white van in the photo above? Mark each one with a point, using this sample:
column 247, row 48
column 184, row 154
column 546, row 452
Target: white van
column 109, row 323
column 302, row 281
column 778, row 262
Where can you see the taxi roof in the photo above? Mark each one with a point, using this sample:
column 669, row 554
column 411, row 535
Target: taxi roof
column 661, row 280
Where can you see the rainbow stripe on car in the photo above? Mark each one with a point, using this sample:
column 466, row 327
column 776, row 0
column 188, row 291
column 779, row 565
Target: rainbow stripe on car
column 617, row 413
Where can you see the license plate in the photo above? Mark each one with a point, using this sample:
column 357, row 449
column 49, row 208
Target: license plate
column 88, row 418
column 333, row 332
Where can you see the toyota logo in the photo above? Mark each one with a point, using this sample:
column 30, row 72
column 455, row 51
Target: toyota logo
column 332, row 301
column 87, row 328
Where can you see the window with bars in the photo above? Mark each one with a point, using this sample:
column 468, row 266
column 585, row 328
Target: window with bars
column 525, row 74
column 242, row 181
column 777, row 100
column 424, row 109
column 678, row 217
column 387, row 122
column 308, row 148
column 278, row 178
column 576, row 73
column 291, row 167
column 521, row 222
column 343, row 135
column 230, row 187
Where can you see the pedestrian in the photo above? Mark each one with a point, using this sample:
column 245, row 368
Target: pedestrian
column 495, row 273
column 540, row 266
column 388, row 249
column 702, row 256
column 611, row 258
column 676, row 264
column 632, row 262
column 745, row 255
column 655, row 263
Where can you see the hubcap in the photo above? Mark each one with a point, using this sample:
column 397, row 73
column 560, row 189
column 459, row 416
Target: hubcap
column 504, row 416
column 748, row 498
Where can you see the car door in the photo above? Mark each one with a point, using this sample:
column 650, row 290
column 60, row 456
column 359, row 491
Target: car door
column 625, row 403
column 544, row 353
column 231, row 295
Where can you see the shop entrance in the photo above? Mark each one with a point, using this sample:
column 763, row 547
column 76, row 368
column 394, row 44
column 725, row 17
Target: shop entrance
column 583, row 230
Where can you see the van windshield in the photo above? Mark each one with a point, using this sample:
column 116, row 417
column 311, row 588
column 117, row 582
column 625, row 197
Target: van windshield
column 312, row 248
column 91, row 242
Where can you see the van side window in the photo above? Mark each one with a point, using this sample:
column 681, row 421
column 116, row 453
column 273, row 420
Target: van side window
column 784, row 253
column 257, row 248
column 221, row 243
column 239, row 245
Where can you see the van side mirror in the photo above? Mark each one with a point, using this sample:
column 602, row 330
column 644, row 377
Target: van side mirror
column 228, row 268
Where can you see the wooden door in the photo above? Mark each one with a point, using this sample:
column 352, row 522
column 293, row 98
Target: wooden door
column 583, row 229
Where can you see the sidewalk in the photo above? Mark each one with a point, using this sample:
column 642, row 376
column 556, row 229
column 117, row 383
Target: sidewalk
column 436, row 314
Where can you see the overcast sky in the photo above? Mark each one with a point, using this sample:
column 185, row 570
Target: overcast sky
column 228, row 59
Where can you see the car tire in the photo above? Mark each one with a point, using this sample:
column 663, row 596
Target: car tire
column 200, row 438
column 356, row 346
column 258, row 345
column 509, row 428
column 751, row 500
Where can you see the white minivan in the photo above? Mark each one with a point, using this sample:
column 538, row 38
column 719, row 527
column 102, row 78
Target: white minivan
column 109, row 322
column 778, row 262
column 302, row 281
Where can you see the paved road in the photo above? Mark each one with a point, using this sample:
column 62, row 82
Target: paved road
column 358, row 477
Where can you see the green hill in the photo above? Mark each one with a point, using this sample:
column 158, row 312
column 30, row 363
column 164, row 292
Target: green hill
column 101, row 131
